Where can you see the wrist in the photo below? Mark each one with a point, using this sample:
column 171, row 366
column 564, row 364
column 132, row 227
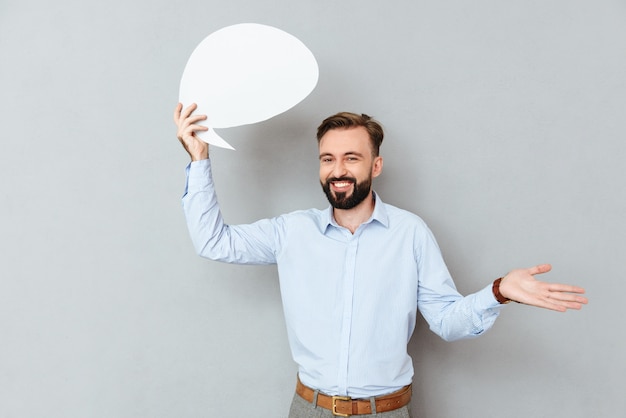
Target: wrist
column 199, row 155
column 199, row 158
column 495, row 288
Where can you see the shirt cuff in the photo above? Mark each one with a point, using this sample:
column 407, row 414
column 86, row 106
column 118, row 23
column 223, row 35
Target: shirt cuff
column 198, row 176
column 486, row 300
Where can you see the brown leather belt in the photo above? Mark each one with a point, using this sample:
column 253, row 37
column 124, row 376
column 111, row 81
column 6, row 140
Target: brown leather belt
column 344, row 406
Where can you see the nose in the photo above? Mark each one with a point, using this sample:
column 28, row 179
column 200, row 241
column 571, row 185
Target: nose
column 339, row 170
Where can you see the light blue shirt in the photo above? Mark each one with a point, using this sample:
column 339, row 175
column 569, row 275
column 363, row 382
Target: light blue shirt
column 350, row 300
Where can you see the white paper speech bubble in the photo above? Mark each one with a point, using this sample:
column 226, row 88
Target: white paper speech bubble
column 244, row 74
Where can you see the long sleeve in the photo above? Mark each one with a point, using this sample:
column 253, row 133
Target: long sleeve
column 448, row 313
column 466, row 317
column 212, row 238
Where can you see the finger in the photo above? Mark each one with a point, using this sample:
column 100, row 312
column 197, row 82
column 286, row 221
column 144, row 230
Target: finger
column 189, row 125
column 190, row 131
column 191, row 120
column 189, row 110
column 567, row 298
column 556, row 307
column 539, row 269
column 185, row 121
column 194, row 119
column 565, row 288
column 562, row 306
column 177, row 111
column 180, row 113
column 194, row 128
column 563, row 301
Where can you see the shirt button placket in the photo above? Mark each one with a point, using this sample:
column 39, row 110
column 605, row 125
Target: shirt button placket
column 346, row 320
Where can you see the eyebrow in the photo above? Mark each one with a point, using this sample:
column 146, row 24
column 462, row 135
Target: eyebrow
column 328, row 154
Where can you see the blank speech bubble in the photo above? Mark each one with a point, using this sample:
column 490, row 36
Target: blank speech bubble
column 244, row 74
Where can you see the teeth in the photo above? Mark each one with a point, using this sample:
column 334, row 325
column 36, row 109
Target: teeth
column 344, row 184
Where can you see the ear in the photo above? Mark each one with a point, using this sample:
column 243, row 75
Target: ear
column 377, row 166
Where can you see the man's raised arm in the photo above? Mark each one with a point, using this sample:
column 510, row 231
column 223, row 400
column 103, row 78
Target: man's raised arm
column 212, row 237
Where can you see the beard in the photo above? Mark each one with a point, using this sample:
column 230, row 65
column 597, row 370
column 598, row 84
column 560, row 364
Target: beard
column 344, row 200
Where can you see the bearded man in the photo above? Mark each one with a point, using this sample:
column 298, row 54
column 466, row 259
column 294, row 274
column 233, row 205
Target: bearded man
column 353, row 276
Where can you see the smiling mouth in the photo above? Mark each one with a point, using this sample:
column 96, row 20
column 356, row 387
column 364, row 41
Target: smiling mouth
column 341, row 184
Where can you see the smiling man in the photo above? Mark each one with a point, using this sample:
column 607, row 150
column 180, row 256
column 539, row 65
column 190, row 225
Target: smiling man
column 349, row 147
column 353, row 276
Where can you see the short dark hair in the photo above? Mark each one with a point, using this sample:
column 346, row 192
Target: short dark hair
column 344, row 120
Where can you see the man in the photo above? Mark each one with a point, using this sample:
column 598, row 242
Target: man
column 353, row 276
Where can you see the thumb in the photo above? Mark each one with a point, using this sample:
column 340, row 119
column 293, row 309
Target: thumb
column 539, row 269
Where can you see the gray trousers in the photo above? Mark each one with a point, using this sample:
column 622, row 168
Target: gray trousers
column 303, row 409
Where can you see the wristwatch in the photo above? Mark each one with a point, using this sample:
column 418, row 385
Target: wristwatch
column 496, row 291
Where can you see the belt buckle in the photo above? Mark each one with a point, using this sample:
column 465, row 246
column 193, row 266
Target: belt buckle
column 334, row 408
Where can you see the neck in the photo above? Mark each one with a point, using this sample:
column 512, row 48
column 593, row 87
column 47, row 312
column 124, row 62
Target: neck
column 353, row 218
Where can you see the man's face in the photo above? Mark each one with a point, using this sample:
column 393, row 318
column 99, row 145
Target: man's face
column 347, row 166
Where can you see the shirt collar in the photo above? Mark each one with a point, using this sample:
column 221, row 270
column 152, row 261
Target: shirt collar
column 379, row 215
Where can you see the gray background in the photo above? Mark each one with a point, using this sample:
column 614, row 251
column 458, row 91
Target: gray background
column 505, row 131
